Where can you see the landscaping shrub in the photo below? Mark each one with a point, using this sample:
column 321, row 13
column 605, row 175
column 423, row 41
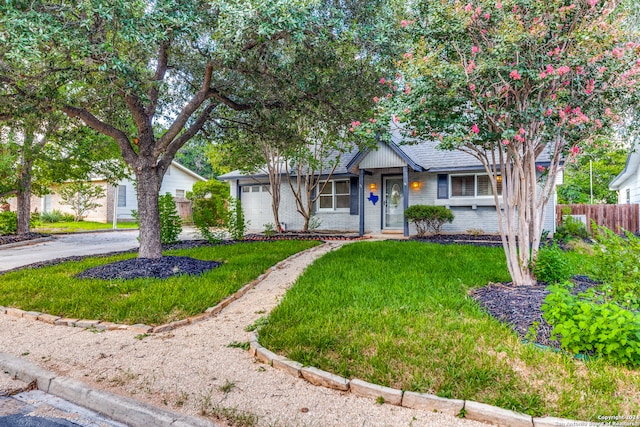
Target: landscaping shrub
column 8, row 222
column 56, row 216
column 170, row 221
column 594, row 324
column 428, row 217
column 616, row 263
column 236, row 224
column 571, row 228
column 551, row 265
column 208, row 204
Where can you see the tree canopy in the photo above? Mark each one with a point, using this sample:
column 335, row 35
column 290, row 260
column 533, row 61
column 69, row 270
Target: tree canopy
column 153, row 75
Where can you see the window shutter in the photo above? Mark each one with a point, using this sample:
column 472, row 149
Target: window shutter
column 314, row 204
column 443, row 186
column 353, row 205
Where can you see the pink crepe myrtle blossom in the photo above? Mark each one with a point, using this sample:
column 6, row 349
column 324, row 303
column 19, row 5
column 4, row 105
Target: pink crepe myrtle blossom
column 475, row 129
column 542, row 75
column 521, row 131
column 355, row 124
column 376, row 99
column 574, row 150
column 372, row 120
column 592, row 3
column 389, row 95
column 475, row 49
column 468, row 7
column 406, row 110
column 579, row 70
column 383, row 81
column 408, row 55
column 407, row 90
column 540, row 168
column 505, row 142
column 472, row 87
column 498, row 5
column 563, row 70
column 598, row 123
column 518, row 138
column 549, row 69
column 487, row 16
column 351, row 130
column 515, row 75
column 471, row 66
column 590, row 86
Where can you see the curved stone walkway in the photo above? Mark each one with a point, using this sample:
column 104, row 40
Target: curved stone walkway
column 194, row 370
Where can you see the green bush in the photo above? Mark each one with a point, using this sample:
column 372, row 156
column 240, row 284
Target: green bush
column 551, row 265
column 208, row 204
column 56, row 216
column 428, row 217
column 593, row 324
column 236, row 224
column 616, row 263
column 571, row 228
column 8, row 222
column 170, row 221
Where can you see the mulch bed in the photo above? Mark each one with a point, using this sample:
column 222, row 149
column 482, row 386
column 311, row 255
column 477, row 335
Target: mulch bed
column 161, row 268
column 6, row 239
column 519, row 306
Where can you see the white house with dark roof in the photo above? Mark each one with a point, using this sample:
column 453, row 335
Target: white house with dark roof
column 627, row 183
column 370, row 190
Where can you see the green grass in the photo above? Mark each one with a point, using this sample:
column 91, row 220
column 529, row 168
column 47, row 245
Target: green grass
column 74, row 227
column 56, row 291
column 398, row 314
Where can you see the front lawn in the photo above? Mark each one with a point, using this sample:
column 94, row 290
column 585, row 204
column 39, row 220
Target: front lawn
column 74, row 227
column 398, row 314
column 56, row 291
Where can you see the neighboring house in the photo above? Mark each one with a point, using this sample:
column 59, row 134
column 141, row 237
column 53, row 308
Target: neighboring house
column 178, row 180
column 370, row 190
column 627, row 184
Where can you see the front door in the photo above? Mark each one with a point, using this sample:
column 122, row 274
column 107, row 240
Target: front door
column 393, row 203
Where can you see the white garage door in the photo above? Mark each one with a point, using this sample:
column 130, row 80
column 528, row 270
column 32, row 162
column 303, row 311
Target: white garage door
column 256, row 204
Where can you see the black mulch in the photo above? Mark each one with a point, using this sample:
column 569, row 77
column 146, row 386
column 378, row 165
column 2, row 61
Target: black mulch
column 5, row 239
column 519, row 306
column 466, row 239
column 161, row 268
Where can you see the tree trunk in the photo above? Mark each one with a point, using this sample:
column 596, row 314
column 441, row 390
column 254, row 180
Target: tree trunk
column 23, row 200
column 148, row 189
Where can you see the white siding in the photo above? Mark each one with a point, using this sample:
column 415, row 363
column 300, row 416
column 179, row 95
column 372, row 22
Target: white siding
column 383, row 157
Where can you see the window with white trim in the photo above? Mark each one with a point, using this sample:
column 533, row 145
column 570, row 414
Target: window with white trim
column 122, row 196
column 476, row 185
column 335, row 196
column 180, row 193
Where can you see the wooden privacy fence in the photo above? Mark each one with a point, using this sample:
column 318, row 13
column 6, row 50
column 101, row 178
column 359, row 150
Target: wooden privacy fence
column 614, row 217
column 184, row 209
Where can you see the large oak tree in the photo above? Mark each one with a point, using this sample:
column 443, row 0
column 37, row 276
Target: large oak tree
column 132, row 68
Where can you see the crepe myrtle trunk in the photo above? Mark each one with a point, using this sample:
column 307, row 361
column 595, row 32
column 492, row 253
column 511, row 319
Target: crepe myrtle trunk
column 148, row 189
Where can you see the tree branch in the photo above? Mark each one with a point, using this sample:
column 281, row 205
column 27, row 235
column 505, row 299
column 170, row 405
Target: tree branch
column 161, row 69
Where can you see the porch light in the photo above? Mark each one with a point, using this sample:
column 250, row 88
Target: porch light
column 415, row 185
column 372, row 186
column 499, row 179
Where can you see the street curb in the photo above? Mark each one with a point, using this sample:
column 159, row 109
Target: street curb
column 119, row 408
column 26, row 242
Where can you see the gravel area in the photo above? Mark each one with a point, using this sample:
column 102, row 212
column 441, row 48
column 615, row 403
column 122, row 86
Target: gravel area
column 193, row 369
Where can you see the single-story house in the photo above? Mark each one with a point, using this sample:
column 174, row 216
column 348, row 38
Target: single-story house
column 627, row 183
column 370, row 190
column 178, row 180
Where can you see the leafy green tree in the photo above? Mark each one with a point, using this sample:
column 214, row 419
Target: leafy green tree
column 209, row 206
column 600, row 164
column 129, row 66
column 81, row 196
column 521, row 85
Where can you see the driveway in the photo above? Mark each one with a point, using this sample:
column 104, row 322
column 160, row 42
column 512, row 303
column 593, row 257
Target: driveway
column 66, row 245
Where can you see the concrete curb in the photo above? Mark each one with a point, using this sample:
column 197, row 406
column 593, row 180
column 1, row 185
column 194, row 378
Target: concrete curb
column 146, row 329
column 26, row 243
column 427, row 402
column 119, row 408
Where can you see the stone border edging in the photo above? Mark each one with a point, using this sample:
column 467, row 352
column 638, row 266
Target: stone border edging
column 428, row 402
column 146, row 329
column 26, row 242
column 119, row 408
